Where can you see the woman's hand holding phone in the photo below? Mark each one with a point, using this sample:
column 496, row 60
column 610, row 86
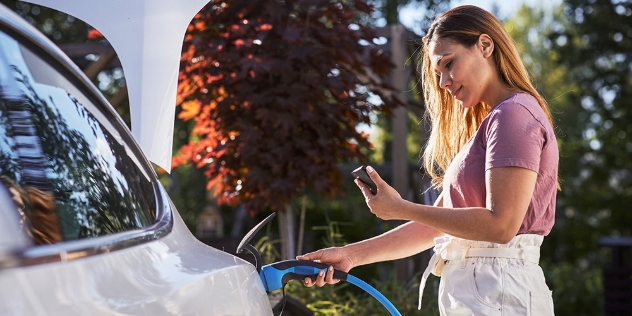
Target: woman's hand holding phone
column 361, row 174
column 388, row 205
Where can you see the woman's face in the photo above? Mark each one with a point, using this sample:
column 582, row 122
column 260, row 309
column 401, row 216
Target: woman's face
column 467, row 73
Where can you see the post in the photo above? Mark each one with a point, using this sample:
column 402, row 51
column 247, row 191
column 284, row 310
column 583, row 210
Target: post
column 286, row 228
column 617, row 278
column 400, row 119
column 400, row 130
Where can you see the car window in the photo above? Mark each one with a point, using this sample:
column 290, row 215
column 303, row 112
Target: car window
column 71, row 173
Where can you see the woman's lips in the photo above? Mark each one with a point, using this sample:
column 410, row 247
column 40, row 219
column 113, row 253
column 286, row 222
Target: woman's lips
column 456, row 93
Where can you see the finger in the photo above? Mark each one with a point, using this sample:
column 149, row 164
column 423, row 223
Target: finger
column 320, row 279
column 329, row 277
column 364, row 188
column 312, row 256
column 374, row 176
column 307, row 256
column 308, row 282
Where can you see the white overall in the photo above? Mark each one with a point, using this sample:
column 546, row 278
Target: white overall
column 484, row 278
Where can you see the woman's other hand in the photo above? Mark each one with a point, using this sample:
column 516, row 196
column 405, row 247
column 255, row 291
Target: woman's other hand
column 336, row 257
column 386, row 204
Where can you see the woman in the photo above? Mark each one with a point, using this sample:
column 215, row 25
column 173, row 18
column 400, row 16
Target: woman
column 493, row 153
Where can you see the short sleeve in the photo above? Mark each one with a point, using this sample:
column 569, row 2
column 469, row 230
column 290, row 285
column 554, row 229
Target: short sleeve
column 514, row 138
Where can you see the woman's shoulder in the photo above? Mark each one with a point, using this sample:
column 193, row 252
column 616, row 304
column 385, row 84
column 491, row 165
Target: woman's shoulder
column 520, row 104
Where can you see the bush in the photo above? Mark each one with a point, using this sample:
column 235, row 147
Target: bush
column 576, row 290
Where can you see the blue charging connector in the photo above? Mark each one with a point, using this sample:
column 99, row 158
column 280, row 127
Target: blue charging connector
column 276, row 275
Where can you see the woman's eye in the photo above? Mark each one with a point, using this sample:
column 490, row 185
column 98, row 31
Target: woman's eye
column 448, row 64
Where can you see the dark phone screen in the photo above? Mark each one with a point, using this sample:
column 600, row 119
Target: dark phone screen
column 360, row 173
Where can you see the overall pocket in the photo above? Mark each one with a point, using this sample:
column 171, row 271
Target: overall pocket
column 469, row 290
column 485, row 284
column 525, row 292
column 541, row 304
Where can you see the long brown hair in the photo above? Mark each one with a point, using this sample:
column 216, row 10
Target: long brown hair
column 452, row 125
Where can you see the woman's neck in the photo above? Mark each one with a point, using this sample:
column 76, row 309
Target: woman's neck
column 497, row 92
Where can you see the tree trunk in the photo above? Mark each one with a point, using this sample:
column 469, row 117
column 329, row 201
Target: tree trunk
column 286, row 228
column 301, row 226
column 390, row 12
column 400, row 115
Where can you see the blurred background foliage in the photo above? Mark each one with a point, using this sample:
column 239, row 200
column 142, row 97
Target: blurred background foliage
column 579, row 55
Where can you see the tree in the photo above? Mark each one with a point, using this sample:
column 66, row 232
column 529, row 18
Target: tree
column 595, row 166
column 60, row 27
column 275, row 90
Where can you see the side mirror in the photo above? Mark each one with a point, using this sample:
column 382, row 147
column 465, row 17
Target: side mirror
column 13, row 238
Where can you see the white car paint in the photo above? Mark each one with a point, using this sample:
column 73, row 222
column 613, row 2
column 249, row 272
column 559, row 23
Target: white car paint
column 175, row 275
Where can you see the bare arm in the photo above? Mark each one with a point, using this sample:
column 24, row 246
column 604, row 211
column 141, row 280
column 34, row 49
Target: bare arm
column 509, row 192
column 404, row 241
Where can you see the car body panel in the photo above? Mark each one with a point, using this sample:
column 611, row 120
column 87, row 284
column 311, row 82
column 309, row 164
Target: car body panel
column 173, row 275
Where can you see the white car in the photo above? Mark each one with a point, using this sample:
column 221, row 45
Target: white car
column 85, row 226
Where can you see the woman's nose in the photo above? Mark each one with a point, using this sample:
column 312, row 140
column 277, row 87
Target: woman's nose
column 445, row 81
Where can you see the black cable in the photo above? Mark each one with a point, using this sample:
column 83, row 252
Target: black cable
column 283, row 306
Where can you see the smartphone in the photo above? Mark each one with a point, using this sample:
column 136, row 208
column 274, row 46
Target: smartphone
column 361, row 174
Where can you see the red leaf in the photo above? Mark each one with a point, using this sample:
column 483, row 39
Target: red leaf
column 94, row 34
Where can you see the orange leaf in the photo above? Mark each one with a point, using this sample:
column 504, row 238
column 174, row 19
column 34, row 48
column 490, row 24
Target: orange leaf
column 210, row 78
column 94, row 34
column 190, row 109
column 200, row 25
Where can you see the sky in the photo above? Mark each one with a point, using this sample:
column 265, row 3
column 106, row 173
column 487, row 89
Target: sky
column 506, row 8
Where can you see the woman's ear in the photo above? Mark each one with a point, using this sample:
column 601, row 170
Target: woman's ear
column 486, row 44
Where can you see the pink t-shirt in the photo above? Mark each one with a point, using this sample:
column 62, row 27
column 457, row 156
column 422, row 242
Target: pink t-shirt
column 516, row 132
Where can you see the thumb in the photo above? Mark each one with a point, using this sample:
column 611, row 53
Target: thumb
column 374, row 176
column 309, row 256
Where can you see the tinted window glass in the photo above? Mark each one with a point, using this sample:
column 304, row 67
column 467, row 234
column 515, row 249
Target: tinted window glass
column 75, row 175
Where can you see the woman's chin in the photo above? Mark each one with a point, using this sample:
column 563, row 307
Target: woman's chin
column 466, row 105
